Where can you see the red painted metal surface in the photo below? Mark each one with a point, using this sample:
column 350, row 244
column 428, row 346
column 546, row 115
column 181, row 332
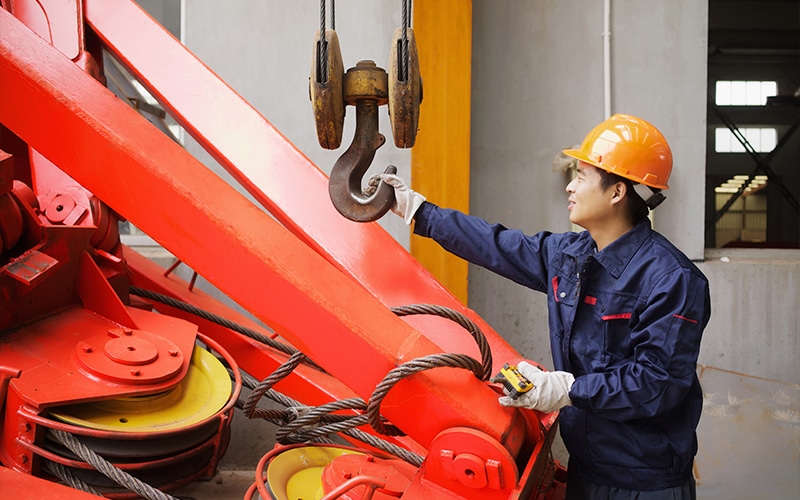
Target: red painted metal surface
column 73, row 367
column 68, row 338
column 394, row 475
column 16, row 484
column 57, row 21
column 196, row 447
column 305, row 383
column 283, row 180
column 80, row 126
column 317, row 279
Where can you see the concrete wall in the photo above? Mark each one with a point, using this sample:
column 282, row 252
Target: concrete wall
column 755, row 324
column 537, row 88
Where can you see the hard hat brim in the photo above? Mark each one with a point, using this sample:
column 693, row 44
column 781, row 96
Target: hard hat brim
column 580, row 155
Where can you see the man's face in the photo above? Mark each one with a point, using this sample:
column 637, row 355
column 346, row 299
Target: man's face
column 588, row 202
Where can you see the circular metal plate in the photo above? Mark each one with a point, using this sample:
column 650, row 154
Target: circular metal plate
column 128, row 356
column 396, row 475
column 203, row 392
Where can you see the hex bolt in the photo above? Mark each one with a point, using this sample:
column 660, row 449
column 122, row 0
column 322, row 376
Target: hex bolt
column 135, row 373
column 127, row 331
column 173, row 352
column 87, row 348
column 24, row 427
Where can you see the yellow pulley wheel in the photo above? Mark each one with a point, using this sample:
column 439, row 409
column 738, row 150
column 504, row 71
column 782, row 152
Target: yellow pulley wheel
column 297, row 472
column 325, row 90
column 202, row 393
column 405, row 89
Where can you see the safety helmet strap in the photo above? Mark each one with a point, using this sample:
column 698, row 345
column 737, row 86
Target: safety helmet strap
column 652, row 197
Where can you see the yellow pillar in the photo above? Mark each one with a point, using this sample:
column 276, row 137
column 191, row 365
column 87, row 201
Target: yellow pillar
column 440, row 160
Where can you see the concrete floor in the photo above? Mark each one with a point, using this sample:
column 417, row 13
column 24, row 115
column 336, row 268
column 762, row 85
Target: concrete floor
column 749, row 438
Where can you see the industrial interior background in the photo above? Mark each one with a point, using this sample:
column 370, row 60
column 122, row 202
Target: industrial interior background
column 523, row 80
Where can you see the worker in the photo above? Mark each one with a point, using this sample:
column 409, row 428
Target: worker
column 626, row 312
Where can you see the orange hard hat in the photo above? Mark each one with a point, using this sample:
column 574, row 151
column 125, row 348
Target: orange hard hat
column 629, row 147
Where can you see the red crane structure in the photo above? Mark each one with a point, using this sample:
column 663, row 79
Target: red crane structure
column 120, row 378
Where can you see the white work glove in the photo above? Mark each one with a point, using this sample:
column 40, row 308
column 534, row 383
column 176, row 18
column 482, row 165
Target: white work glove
column 550, row 390
column 407, row 201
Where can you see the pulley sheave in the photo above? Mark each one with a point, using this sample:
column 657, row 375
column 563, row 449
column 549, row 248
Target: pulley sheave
column 201, row 394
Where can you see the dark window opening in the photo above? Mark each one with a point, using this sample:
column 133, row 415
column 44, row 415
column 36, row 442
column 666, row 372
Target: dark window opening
column 753, row 119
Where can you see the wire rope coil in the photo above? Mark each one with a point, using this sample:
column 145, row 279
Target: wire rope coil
column 461, row 319
column 300, row 423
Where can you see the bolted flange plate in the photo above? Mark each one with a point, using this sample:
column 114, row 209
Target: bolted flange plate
column 130, row 356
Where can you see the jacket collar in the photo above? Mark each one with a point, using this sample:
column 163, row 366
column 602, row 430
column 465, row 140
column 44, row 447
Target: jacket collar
column 616, row 256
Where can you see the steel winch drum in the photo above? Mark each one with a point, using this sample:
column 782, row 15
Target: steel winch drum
column 166, row 440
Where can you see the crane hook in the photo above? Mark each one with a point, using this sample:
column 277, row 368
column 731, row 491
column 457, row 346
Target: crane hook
column 366, row 87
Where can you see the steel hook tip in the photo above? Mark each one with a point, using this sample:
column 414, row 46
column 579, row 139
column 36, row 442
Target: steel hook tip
column 344, row 184
column 356, row 204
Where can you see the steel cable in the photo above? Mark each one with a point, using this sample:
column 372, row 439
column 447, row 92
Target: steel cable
column 406, row 19
column 202, row 313
column 296, row 409
column 461, row 319
column 295, row 422
column 68, row 478
column 297, row 419
column 282, row 371
column 405, row 370
column 322, row 46
column 108, row 469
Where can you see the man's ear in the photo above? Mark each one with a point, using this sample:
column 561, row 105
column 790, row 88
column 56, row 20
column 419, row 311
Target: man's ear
column 620, row 189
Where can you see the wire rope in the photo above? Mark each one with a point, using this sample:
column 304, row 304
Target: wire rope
column 299, row 423
column 68, row 477
column 214, row 318
column 322, row 46
column 108, row 469
column 406, row 20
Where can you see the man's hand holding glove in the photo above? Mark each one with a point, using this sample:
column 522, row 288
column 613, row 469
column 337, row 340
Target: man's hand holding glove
column 550, row 391
column 407, row 202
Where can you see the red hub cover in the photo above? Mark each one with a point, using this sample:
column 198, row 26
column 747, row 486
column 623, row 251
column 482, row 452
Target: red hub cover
column 397, row 475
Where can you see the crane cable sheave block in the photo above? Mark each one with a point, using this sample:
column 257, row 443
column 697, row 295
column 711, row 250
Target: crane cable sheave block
column 325, row 89
column 405, row 88
column 367, row 87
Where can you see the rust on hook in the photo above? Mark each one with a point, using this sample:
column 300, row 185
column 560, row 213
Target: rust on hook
column 365, row 87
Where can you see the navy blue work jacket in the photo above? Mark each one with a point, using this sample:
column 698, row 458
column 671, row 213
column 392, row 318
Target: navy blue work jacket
column 625, row 321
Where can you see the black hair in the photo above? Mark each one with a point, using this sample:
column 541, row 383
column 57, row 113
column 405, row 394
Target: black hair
column 637, row 209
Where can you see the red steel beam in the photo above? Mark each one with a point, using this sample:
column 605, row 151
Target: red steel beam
column 115, row 153
column 278, row 176
column 306, row 384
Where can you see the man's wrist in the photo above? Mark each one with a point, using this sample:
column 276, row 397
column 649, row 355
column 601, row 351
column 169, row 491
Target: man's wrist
column 421, row 218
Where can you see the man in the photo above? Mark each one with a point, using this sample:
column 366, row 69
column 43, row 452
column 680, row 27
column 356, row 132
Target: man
column 626, row 313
